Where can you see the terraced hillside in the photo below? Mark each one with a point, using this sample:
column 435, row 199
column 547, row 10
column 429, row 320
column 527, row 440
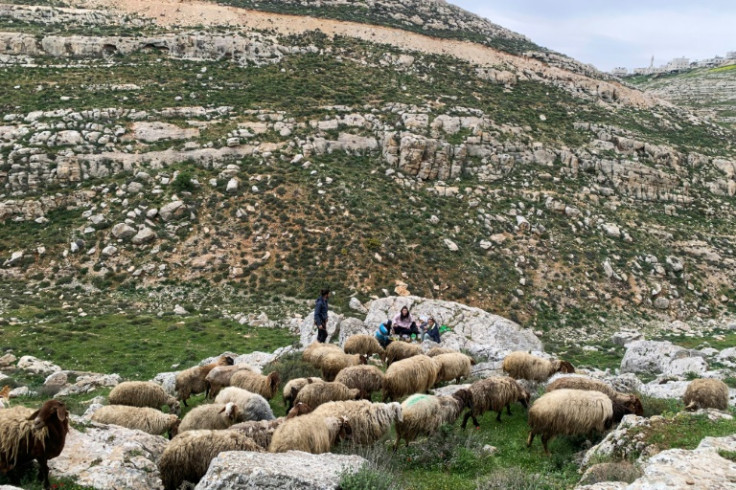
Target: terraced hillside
column 195, row 143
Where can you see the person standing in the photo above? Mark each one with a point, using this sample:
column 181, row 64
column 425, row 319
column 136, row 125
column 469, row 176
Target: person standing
column 320, row 315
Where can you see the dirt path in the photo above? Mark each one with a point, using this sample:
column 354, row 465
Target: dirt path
column 195, row 13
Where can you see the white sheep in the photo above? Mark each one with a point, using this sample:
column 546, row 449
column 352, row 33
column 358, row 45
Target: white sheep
column 145, row 419
column 142, row 394
column 252, row 405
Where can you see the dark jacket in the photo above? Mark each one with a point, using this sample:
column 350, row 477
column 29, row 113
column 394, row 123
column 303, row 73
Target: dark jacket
column 320, row 311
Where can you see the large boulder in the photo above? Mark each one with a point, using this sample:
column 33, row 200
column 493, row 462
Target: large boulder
column 108, row 456
column 479, row 332
column 308, row 332
column 353, row 326
column 652, row 357
column 294, row 470
column 37, row 366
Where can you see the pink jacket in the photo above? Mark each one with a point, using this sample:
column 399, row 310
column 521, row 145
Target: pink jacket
column 405, row 323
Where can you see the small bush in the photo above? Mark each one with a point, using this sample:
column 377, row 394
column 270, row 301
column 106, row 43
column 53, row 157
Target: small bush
column 183, row 182
column 367, row 478
column 658, row 406
column 290, row 367
column 604, row 472
column 510, row 479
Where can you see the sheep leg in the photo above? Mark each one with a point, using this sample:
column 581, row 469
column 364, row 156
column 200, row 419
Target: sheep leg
column 398, row 440
column 465, row 419
column 43, row 472
column 498, row 417
column 545, row 440
column 508, row 408
column 475, row 421
column 530, row 439
column 184, row 401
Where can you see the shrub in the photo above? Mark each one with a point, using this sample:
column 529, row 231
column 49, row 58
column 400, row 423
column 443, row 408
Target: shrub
column 510, row 479
column 183, row 182
column 620, row 471
column 367, row 478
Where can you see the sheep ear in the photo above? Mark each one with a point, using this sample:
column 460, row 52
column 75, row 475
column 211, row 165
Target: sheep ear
column 61, row 412
column 33, row 415
column 223, row 409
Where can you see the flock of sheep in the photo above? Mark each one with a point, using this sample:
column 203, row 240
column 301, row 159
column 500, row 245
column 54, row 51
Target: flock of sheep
column 321, row 411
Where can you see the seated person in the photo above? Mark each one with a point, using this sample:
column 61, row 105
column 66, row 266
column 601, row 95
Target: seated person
column 403, row 323
column 431, row 330
column 383, row 334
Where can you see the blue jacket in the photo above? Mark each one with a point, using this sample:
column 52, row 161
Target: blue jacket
column 383, row 334
column 320, row 311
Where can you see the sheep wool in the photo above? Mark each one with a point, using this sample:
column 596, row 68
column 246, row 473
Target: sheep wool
column 334, row 362
column 424, row 414
column 630, row 401
column 569, row 412
column 187, row 457
column 314, row 350
column 252, row 406
column 220, row 377
column 398, row 350
column 145, row 419
column 706, row 393
column 311, row 433
column 261, row 431
column 215, row 416
column 266, row 386
column 368, row 421
column 522, row 365
column 316, row 394
column 413, row 375
column 293, row 387
column 192, row 381
column 494, row 393
column 436, row 351
column 363, row 344
column 142, row 394
column 453, row 366
column 366, row 378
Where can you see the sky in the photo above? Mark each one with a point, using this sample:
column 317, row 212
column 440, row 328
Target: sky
column 623, row 33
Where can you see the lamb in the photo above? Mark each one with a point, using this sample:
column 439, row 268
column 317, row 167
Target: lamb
column 706, row 393
column 334, row 362
column 632, row 402
column 364, row 344
column 266, row 386
column 252, row 405
column 220, row 377
column 5, row 397
column 188, row 456
column 143, row 394
column 398, row 350
column 367, row 379
column 368, row 421
column 522, row 365
column 145, row 419
column 316, row 394
column 261, row 431
column 453, row 366
column 316, row 349
column 408, row 376
column 311, row 433
column 292, row 389
column 572, row 412
column 424, row 414
column 26, row 435
column 215, row 416
column 436, row 351
column 494, row 393
column 192, row 381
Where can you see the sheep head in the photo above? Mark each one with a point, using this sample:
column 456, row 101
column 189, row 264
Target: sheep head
column 231, row 411
column 354, row 393
column 396, row 411
column 174, row 429
column 300, row 408
column 524, row 397
column 226, row 361
column 46, row 414
column 619, row 410
column 175, row 407
column 345, row 429
column 363, row 359
column 634, row 404
column 564, row 367
column 274, row 380
column 464, row 397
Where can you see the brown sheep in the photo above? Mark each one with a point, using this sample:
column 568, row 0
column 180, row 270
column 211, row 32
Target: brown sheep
column 26, row 435
column 317, row 349
column 143, row 394
column 364, row 344
column 220, row 376
column 192, row 381
column 334, row 362
column 494, row 394
column 413, row 375
column 261, row 431
column 311, row 433
column 316, row 394
column 399, row 350
column 436, row 351
column 424, row 414
column 706, row 393
column 632, row 402
column 292, row 389
column 453, row 366
column 522, row 365
column 367, row 379
column 266, row 386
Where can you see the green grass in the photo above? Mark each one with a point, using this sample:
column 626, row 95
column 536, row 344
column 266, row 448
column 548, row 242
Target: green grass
column 723, row 69
column 683, row 430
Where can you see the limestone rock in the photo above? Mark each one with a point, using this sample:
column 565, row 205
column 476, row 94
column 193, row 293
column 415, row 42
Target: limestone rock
column 167, row 381
column 294, row 470
column 90, row 382
column 652, row 357
column 7, row 360
column 150, row 132
column 625, row 337
column 144, row 235
column 123, row 231
column 356, row 305
column 353, row 326
column 37, row 366
column 308, row 332
column 172, row 210
column 180, row 310
column 452, row 246
column 108, row 456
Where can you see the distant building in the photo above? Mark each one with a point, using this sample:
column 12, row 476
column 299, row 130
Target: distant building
column 677, row 64
column 620, row 71
column 731, row 55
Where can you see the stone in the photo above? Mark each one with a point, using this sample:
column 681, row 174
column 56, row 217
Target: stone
column 612, row 230
column 14, row 259
column 624, row 338
column 353, row 326
column 174, row 209
column 90, row 382
column 150, row 132
column 56, row 380
column 37, row 366
column 167, row 382
column 356, row 305
column 452, row 246
column 686, row 365
column 308, row 332
column 179, row 310
column 109, row 456
column 123, row 231
column 232, row 185
column 667, row 390
column 662, row 303
column 144, row 235
column 109, row 251
column 7, row 360
column 645, row 356
column 294, row 470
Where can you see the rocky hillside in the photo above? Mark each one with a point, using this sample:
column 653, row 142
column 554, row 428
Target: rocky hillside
column 209, row 146
column 708, row 92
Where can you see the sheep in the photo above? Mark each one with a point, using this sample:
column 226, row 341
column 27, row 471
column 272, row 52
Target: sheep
column 292, row 389
column 632, row 402
column 261, row 431
column 252, row 405
column 142, row 394
column 494, row 393
column 572, row 412
column 364, row 344
column 266, row 386
column 424, row 414
column 367, row 379
column 5, row 397
column 398, row 350
column 316, row 394
column 522, row 365
column 368, row 421
column 145, row 419
column 316, row 349
column 26, row 435
column 188, row 456
column 220, row 377
column 192, row 381
column 706, row 393
column 436, row 351
column 311, row 433
column 215, row 416
column 453, row 366
column 408, row 376
column 334, row 362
